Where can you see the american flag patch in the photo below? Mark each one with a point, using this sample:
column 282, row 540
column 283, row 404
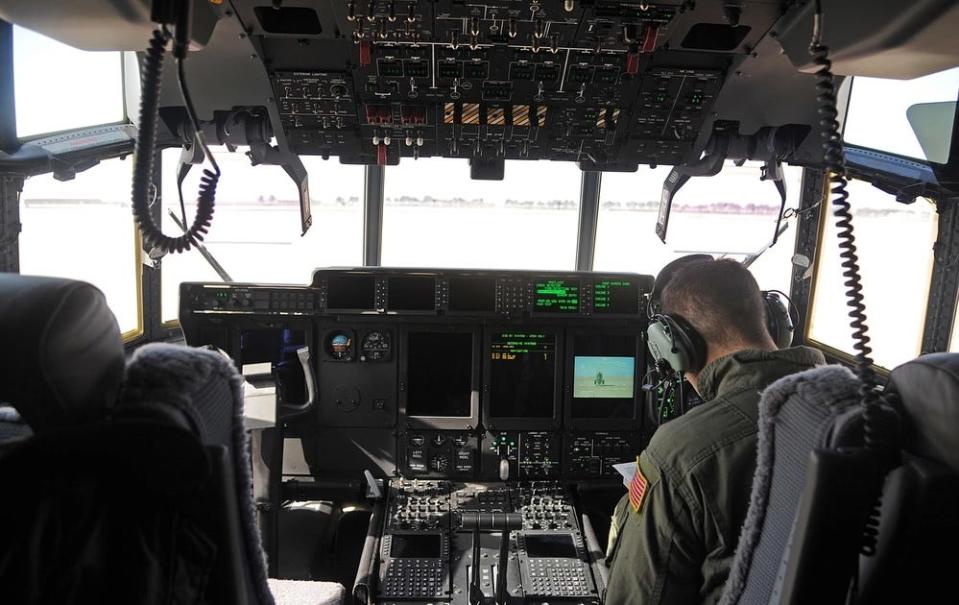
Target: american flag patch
column 637, row 488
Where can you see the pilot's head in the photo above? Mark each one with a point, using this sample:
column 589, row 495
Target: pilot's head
column 722, row 302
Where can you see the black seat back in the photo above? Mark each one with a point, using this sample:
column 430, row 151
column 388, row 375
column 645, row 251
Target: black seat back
column 803, row 419
column 205, row 391
column 135, row 498
column 918, row 522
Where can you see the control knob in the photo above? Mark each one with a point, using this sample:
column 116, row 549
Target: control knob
column 439, row 463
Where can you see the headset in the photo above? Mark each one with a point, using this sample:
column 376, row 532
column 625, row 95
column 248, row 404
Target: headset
column 673, row 340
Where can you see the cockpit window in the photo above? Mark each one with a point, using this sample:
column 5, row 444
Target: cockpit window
column 256, row 228
column 435, row 216
column 57, row 87
column 912, row 118
column 83, row 229
column 895, row 248
column 732, row 214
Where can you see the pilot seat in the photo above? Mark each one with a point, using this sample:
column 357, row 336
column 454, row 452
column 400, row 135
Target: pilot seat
column 135, row 485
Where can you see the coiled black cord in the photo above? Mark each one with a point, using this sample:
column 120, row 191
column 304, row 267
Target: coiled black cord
column 143, row 162
column 835, row 161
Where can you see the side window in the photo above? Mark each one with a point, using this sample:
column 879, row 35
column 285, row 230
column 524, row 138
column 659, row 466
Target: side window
column 84, row 229
column 732, row 214
column 57, row 87
column 435, row 216
column 895, row 248
column 255, row 234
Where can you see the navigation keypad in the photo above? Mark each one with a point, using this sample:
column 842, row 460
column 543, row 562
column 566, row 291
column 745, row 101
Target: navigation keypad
column 558, row 578
column 415, row 578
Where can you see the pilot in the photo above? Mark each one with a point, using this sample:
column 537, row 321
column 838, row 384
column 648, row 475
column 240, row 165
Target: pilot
column 674, row 534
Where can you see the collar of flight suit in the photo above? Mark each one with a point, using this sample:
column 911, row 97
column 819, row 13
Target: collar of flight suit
column 753, row 367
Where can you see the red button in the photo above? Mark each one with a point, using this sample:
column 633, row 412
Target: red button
column 381, row 155
column 632, row 63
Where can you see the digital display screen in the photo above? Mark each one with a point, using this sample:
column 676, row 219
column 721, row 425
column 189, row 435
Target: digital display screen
column 522, row 374
column 603, row 377
column 604, row 370
column 439, row 374
column 472, row 294
column 556, row 296
column 411, row 293
column 616, row 296
column 551, row 546
column 350, row 291
column 416, row 546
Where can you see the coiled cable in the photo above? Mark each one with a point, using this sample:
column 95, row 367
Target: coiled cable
column 143, row 165
column 835, row 162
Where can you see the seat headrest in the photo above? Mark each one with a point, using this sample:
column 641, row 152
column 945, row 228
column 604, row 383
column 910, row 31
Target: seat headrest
column 61, row 355
column 928, row 387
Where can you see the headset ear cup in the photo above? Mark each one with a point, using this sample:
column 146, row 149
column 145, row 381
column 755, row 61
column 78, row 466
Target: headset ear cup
column 692, row 344
column 672, row 339
column 778, row 321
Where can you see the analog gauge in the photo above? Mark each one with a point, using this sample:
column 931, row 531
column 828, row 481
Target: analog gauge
column 340, row 346
column 375, row 346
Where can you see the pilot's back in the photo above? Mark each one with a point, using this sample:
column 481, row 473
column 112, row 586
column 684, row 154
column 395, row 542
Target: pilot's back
column 698, row 471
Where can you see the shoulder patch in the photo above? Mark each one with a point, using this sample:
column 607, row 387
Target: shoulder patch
column 637, row 488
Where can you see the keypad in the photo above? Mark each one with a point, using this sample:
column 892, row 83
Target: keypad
column 558, row 578
column 415, row 578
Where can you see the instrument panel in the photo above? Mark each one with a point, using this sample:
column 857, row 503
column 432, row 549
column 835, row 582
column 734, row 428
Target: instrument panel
column 606, row 83
column 444, row 374
column 457, row 542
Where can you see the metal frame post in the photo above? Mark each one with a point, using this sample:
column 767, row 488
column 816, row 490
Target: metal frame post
column 373, row 216
column 588, row 220
column 944, row 285
column 807, row 247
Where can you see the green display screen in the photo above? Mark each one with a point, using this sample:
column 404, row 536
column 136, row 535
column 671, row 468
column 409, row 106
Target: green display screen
column 619, row 296
column 556, row 296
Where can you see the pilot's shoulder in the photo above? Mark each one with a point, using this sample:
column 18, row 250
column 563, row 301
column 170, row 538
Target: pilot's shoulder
column 679, row 447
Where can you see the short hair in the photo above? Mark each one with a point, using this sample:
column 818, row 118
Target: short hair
column 720, row 299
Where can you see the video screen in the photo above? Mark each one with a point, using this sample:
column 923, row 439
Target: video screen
column 556, row 296
column 411, row 293
column 522, row 374
column 439, row 374
column 350, row 291
column 603, row 377
column 618, row 296
column 416, row 546
column 604, row 371
column 472, row 294
column 551, row 546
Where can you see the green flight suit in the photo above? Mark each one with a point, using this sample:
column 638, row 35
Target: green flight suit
column 679, row 546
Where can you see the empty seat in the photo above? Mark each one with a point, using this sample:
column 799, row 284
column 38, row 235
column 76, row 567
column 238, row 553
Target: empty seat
column 143, row 498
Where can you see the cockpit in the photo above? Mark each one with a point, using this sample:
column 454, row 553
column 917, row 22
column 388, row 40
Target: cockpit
column 422, row 237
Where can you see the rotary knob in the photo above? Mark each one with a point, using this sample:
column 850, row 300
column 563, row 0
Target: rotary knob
column 439, row 463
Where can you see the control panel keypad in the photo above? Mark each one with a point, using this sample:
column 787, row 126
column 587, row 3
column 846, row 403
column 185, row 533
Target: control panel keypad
column 558, row 578
column 415, row 578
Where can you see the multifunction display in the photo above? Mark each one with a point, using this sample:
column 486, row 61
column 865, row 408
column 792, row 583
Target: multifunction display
column 439, row 374
column 556, row 296
column 522, row 374
column 620, row 296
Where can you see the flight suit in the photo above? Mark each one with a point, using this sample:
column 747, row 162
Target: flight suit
column 693, row 491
